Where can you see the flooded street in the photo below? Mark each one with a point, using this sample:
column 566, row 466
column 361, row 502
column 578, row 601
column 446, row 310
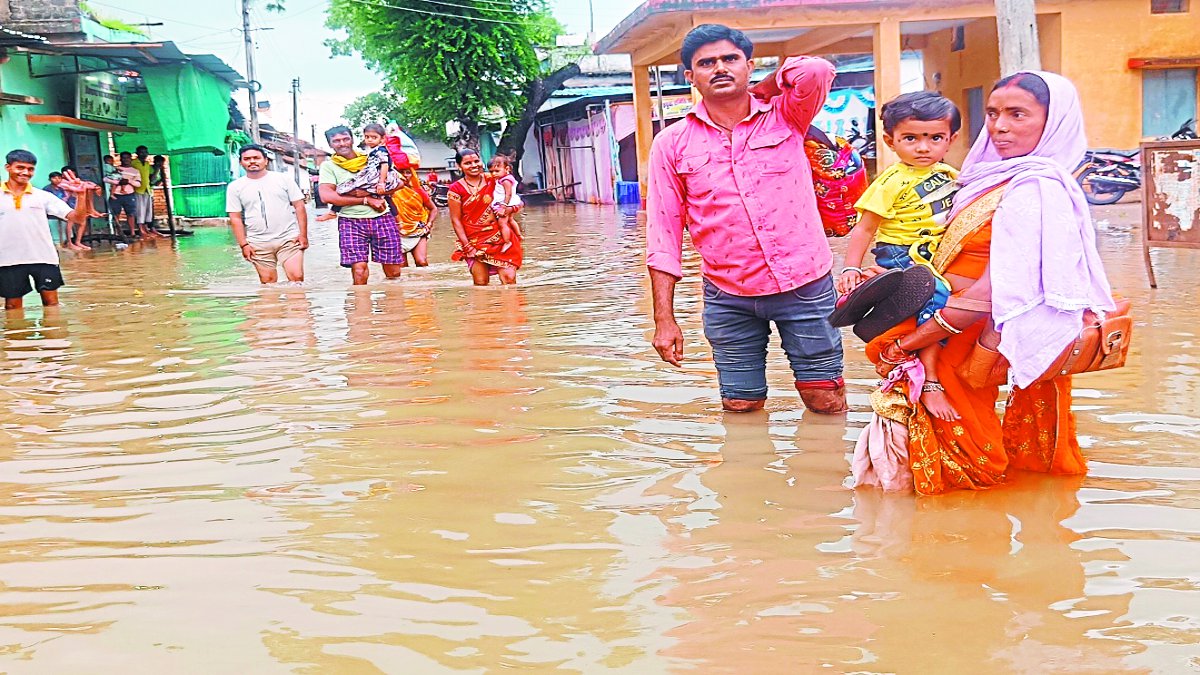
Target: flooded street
column 200, row 475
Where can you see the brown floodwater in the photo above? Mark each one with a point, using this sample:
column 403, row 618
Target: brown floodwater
column 202, row 475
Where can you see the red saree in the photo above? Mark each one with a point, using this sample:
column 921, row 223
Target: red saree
column 479, row 225
column 975, row 451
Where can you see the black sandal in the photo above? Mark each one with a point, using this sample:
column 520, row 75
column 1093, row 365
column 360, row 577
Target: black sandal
column 855, row 305
column 915, row 289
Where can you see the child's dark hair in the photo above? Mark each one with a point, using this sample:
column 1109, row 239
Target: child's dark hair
column 1031, row 83
column 55, row 174
column 502, row 160
column 923, row 106
column 374, row 129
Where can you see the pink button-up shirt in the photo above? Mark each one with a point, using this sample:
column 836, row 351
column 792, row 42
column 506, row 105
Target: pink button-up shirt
column 747, row 200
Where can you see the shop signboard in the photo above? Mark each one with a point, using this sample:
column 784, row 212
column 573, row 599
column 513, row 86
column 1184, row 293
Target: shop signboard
column 101, row 98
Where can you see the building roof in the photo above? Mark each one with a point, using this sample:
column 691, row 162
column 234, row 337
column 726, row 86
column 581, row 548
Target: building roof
column 653, row 31
column 15, row 38
column 135, row 55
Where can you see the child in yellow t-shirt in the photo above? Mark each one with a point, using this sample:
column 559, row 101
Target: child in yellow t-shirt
column 904, row 210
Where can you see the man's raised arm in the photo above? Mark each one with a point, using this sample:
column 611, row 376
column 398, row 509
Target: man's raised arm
column 798, row 89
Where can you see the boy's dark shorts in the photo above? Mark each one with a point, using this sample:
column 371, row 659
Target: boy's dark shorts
column 15, row 279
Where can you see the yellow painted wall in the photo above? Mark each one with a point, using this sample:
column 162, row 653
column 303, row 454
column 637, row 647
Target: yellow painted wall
column 953, row 73
column 1099, row 38
column 1091, row 43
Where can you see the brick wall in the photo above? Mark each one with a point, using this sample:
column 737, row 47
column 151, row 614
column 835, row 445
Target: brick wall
column 45, row 17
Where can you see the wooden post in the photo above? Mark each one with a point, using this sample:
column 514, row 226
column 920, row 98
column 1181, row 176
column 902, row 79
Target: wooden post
column 642, row 106
column 1016, row 23
column 887, row 82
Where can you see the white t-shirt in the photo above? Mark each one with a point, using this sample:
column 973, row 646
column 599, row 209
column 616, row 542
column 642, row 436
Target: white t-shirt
column 498, row 195
column 24, row 232
column 266, row 206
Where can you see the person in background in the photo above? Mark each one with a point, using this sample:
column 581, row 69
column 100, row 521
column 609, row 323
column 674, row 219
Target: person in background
column 367, row 230
column 268, row 218
column 55, row 188
column 158, row 172
column 479, row 243
column 123, row 181
column 27, row 251
column 415, row 212
column 143, row 194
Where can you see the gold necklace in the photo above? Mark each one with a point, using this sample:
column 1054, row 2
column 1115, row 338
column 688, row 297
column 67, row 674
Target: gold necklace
column 473, row 188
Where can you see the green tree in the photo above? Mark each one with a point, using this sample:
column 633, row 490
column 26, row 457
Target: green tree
column 383, row 106
column 458, row 61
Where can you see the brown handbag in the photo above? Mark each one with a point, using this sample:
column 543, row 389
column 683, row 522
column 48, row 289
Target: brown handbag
column 1101, row 345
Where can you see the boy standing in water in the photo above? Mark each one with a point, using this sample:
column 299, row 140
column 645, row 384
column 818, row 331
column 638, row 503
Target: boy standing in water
column 27, row 250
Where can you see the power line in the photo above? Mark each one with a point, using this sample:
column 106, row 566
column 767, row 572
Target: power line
column 152, row 16
column 383, row 5
column 507, row 10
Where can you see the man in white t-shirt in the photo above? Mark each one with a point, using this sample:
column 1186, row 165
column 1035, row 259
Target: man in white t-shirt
column 27, row 250
column 268, row 218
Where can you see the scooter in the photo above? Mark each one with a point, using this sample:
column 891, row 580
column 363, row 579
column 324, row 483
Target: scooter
column 1107, row 174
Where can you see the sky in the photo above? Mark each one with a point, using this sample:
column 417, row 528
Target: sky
column 294, row 47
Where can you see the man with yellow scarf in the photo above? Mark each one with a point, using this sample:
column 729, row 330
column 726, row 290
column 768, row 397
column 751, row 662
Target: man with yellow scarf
column 367, row 231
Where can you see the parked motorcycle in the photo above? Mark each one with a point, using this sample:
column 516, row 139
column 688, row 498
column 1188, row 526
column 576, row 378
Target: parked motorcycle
column 863, row 143
column 1107, row 174
column 1187, row 132
column 440, row 193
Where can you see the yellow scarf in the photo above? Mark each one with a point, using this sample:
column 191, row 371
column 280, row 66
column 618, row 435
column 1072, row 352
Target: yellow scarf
column 354, row 165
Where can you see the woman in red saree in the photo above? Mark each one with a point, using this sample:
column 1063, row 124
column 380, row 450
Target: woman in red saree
column 1021, row 258
column 479, row 240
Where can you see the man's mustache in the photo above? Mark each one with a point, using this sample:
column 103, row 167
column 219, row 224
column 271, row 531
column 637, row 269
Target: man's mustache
column 719, row 78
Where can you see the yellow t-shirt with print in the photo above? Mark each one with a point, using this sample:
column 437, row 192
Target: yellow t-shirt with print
column 912, row 201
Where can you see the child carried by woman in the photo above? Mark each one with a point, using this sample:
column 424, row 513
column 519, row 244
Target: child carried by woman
column 904, row 211
column 505, row 200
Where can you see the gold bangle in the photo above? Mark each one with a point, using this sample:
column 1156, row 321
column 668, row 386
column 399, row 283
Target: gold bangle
column 941, row 321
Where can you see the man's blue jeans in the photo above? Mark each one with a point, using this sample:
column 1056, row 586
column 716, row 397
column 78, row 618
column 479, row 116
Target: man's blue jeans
column 738, row 329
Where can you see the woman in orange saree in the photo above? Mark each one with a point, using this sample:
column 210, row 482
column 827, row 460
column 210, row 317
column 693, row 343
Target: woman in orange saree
column 1021, row 258
column 479, row 241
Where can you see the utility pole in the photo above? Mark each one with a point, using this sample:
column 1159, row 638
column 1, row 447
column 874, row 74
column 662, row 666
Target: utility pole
column 253, row 88
column 296, row 127
column 1016, row 23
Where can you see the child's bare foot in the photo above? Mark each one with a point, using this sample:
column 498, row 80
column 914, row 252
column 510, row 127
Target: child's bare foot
column 938, row 404
column 507, row 245
column 328, row 215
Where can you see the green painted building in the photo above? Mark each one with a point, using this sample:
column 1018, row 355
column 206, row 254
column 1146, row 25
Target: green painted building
column 70, row 101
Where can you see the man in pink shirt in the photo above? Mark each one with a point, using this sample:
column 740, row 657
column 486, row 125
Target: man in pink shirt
column 734, row 174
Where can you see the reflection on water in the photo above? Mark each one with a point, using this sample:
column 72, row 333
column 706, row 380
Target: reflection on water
column 421, row 476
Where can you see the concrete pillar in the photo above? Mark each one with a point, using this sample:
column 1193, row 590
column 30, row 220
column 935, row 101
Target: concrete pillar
column 643, row 105
column 887, row 81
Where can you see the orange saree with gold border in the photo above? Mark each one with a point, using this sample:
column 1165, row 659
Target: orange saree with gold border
column 975, row 451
